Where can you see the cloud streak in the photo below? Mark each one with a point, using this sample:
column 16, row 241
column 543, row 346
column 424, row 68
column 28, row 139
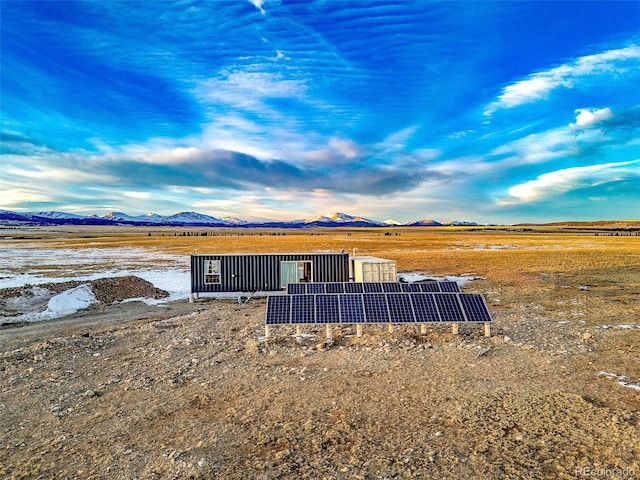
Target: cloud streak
column 538, row 85
column 552, row 184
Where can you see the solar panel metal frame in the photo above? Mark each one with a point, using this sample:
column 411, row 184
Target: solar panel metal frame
column 410, row 287
column 327, row 308
column 376, row 309
column 475, row 307
column 429, row 287
column 334, row 287
column 351, row 308
column 400, row 308
column 303, row 309
column 353, row 287
column 278, row 310
column 425, row 308
column 372, row 287
column 449, row 308
column 391, row 287
column 447, row 286
column 316, row 288
column 296, row 288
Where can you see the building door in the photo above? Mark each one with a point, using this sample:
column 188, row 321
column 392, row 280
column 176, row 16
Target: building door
column 295, row 272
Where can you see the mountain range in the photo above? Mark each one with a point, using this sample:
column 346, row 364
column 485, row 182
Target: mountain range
column 195, row 219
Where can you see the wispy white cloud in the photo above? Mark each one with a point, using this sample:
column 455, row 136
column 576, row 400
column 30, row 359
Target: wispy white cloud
column 538, row 85
column 561, row 181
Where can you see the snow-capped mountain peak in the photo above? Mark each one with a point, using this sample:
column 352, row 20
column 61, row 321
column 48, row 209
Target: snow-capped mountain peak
column 192, row 218
column 339, row 218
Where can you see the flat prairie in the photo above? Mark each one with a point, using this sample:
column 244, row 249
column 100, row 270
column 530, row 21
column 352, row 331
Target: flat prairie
column 192, row 390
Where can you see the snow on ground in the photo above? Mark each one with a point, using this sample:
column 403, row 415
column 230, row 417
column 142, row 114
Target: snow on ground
column 30, row 265
column 461, row 280
column 622, row 380
column 70, row 301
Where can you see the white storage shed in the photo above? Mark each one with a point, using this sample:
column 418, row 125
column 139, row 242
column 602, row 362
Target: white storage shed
column 373, row 269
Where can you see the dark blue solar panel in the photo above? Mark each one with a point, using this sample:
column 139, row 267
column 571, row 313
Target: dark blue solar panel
column 353, row 287
column 449, row 307
column 351, row 308
column 424, row 307
column 370, row 287
column 302, row 309
column 334, row 287
column 429, row 287
column 375, row 308
column 474, row 307
column 449, row 286
column 296, row 288
column 315, row 287
column 400, row 309
column 391, row 287
column 278, row 310
column 410, row 287
column 327, row 309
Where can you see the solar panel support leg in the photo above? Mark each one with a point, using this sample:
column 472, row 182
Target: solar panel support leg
column 328, row 332
column 454, row 328
column 487, row 329
column 299, row 333
column 266, row 332
column 423, row 329
column 390, row 328
column 359, row 330
column 191, row 299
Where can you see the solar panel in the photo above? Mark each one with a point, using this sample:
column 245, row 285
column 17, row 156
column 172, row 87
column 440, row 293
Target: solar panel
column 351, row 308
column 375, row 308
column 400, row 309
column 424, row 307
column 449, row 307
column 315, row 287
column 448, row 286
column 334, row 287
column 371, row 287
column 391, row 287
column 353, row 287
column 302, row 309
column 429, row 287
column 278, row 310
column 327, row 309
column 296, row 288
column 475, row 307
column 410, row 287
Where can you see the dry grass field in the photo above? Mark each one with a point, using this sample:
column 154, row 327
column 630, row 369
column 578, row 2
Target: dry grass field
column 190, row 391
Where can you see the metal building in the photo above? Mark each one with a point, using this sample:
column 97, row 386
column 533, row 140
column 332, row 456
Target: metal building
column 254, row 272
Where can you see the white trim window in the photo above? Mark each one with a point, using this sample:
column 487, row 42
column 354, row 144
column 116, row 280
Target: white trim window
column 212, row 272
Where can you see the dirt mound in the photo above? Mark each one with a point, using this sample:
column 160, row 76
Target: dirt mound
column 117, row 289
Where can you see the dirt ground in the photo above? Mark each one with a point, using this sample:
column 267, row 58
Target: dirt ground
column 191, row 390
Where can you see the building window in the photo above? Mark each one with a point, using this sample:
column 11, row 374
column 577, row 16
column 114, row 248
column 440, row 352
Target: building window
column 212, row 271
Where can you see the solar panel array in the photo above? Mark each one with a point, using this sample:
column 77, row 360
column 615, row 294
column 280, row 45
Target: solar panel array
column 371, row 287
column 376, row 307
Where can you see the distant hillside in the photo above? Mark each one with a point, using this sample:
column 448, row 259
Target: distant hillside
column 195, row 219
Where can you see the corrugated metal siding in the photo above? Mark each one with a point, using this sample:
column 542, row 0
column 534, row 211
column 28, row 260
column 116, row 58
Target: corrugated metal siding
column 252, row 272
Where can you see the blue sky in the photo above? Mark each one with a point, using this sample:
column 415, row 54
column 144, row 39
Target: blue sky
column 486, row 111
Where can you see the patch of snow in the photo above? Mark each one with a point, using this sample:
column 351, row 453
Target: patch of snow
column 461, row 280
column 623, row 380
column 619, row 327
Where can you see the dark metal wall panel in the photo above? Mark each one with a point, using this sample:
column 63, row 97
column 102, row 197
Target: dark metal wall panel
column 253, row 272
